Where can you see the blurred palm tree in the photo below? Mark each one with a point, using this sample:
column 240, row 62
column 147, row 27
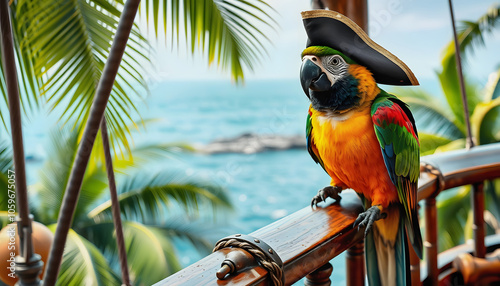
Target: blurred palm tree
column 157, row 208
column 62, row 46
column 441, row 124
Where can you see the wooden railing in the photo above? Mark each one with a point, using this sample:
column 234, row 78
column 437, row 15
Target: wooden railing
column 308, row 239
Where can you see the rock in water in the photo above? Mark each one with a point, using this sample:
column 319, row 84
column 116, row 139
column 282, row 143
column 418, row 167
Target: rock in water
column 250, row 143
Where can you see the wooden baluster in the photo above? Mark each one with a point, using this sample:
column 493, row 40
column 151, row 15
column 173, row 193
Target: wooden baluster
column 320, row 276
column 478, row 226
column 414, row 266
column 355, row 264
column 430, row 242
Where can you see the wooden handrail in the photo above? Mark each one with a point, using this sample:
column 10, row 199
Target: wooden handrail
column 305, row 240
column 309, row 238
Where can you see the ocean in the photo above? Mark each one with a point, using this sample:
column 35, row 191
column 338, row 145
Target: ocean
column 264, row 186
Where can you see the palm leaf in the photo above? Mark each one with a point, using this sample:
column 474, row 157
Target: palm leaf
column 83, row 264
column 471, row 34
column 150, row 253
column 70, row 42
column 146, row 198
column 227, row 32
column 430, row 142
column 453, row 145
column 448, row 79
column 54, row 176
column 28, row 83
column 493, row 86
column 143, row 154
column 486, row 127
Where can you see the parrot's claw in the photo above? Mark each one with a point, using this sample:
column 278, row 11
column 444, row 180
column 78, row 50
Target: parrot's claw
column 369, row 217
column 329, row 191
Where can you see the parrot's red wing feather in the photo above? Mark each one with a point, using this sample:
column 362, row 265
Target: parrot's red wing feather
column 396, row 132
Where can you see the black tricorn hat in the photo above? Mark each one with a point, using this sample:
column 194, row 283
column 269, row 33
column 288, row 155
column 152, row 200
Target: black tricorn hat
column 334, row 30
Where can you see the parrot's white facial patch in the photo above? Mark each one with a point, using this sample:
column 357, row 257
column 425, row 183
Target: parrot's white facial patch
column 334, row 118
column 334, row 66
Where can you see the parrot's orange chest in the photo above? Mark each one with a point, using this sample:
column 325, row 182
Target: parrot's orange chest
column 351, row 154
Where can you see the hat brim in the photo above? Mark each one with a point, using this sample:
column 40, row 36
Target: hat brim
column 332, row 29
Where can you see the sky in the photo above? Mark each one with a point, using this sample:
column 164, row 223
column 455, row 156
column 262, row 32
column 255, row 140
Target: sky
column 414, row 30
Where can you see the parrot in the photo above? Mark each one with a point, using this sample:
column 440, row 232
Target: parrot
column 366, row 140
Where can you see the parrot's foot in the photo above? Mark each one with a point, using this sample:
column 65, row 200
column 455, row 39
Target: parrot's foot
column 368, row 217
column 330, row 191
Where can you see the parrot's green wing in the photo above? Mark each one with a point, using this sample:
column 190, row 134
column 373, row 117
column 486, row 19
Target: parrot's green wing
column 311, row 146
column 397, row 134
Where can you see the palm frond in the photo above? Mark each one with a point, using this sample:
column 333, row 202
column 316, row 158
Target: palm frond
column 54, row 176
column 450, row 85
column 430, row 142
column 471, row 34
column 147, row 198
column 83, row 264
column 146, row 153
column 485, row 122
column 150, row 253
column 227, row 32
column 453, row 145
column 492, row 90
column 28, row 83
column 70, row 42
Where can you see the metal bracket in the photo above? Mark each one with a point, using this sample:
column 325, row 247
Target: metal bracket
column 261, row 251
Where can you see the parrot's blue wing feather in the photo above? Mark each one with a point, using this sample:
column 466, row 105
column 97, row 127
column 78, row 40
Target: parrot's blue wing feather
column 396, row 132
column 311, row 146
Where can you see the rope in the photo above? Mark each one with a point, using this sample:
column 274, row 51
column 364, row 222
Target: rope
column 274, row 270
column 115, row 205
column 431, row 169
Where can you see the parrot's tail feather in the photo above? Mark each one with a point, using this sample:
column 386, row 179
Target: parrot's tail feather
column 413, row 230
column 387, row 260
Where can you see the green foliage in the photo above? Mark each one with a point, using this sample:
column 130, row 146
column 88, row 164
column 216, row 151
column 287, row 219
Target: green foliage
column 227, row 32
column 84, row 264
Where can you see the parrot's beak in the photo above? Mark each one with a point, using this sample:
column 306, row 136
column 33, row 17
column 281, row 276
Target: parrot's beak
column 313, row 78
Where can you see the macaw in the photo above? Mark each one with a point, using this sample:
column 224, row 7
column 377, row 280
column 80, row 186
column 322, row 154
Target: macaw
column 364, row 138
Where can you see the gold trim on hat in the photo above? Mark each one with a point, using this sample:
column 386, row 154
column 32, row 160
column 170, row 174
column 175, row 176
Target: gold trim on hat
column 363, row 36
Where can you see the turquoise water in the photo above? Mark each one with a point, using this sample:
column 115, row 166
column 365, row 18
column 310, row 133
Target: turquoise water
column 265, row 186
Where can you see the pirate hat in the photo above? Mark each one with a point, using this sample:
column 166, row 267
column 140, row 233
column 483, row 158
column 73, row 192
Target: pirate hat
column 332, row 29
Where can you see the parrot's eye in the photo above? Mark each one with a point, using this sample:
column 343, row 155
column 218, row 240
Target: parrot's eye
column 335, row 64
column 336, row 60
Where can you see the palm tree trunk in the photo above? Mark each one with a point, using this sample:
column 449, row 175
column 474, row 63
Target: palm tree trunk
column 84, row 150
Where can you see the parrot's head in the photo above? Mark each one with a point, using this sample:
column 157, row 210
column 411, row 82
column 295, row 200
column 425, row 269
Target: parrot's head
column 333, row 82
